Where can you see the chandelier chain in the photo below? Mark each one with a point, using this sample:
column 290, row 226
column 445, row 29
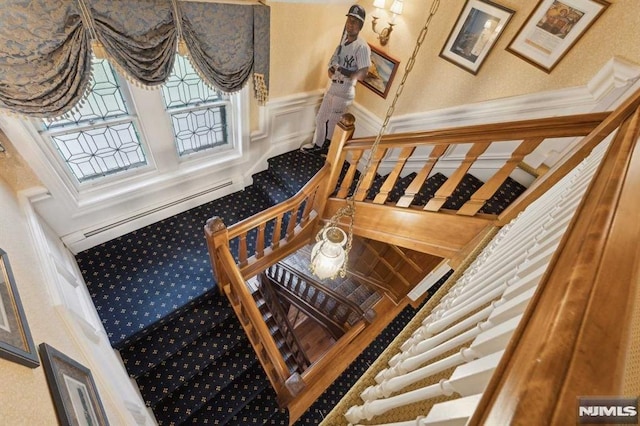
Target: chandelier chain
column 349, row 209
column 407, row 70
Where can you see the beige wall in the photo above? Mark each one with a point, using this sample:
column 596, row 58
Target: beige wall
column 24, row 395
column 303, row 37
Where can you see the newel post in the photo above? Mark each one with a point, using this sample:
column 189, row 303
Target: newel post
column 336, row 156
column 217, row 235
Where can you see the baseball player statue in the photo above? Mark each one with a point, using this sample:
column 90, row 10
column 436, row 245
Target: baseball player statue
column 349, row 63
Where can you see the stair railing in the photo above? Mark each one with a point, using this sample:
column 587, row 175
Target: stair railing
column 333, row 310
column 563, row 325
column 443, row 235
column 291, row 342
column 231, row 281
column 574, row 335
column 278, row 231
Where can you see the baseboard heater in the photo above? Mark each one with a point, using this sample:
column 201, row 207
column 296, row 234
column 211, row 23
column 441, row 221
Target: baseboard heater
column 155, row 210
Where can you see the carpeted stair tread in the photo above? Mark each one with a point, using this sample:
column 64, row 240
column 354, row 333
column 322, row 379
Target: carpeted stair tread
column 138, row 279
column 396, row 192
column 505, row 195
column 463, row 192
column 428, row 189
column 295, row 168
column 232, row 399
column 273, row 188
column 204, row 386
column 171, row 372
column 260, row 410
column 172, row 336
column 370, row 301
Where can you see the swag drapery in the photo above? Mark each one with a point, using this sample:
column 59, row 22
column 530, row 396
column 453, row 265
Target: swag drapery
column 46, row 47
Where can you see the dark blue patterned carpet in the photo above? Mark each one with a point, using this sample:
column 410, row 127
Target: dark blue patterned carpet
column 138, row 279
column 155, row 294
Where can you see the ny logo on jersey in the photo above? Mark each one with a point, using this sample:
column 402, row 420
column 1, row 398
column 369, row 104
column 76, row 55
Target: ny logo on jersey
column 348, row 62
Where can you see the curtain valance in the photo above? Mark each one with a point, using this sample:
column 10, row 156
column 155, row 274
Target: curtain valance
column 45, row 47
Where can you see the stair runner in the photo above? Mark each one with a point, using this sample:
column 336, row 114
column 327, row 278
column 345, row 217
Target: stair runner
column 178, row 337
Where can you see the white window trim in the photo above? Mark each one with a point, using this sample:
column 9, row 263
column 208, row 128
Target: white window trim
column 164, row 166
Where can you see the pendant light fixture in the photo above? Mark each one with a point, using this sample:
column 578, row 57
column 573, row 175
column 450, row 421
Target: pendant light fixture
column 330, row 254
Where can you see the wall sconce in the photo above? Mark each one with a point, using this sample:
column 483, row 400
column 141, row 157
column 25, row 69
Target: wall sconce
column 396, row 10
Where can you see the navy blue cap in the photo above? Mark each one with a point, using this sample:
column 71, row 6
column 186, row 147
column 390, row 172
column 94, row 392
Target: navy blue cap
column 357, row 12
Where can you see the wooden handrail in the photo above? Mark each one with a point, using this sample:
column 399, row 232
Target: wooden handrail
column 572, row 158
column 528, row 134
column 256, row 329
column 572, row 338
column 299, row 230
column 286, row 206
column 279, row 315
column 553, row 127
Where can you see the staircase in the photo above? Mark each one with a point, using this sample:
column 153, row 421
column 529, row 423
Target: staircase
column 187, row 351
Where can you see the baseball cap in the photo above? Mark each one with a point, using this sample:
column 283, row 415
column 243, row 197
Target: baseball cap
column 357, row 12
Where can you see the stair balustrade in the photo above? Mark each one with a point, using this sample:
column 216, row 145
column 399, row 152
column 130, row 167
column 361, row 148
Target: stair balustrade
column 335, row 312
column 291, row 343
column 433, row 228
column 557, row 291
column 400, row 154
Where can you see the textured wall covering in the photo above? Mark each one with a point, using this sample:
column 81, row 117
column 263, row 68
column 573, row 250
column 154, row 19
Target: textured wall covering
column 297, row 63
column 14, row 169
column 24, row 394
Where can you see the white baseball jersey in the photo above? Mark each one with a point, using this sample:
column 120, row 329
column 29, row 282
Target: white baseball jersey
column 341, row 91
column 352, row 57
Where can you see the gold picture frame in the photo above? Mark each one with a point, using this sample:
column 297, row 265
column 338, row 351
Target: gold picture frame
column 381, row 72
column 553, row 28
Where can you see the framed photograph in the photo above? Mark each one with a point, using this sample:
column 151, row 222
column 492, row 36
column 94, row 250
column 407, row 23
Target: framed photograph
column 553, row 28
column 73, row 390
column 16, row 343
column 477, row 29
column 381, row 72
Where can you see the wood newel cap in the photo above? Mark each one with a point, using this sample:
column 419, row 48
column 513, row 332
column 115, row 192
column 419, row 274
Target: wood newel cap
column 214, row 225
column 347, row 121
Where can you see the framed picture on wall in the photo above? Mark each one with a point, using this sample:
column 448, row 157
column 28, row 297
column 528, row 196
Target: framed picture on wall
column 381, row 72
column 476, row 31
column 552, row 28
column 73, row 390
column 16, row 343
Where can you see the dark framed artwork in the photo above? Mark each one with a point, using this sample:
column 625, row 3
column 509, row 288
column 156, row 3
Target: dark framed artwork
column 72, row 388
column 16, row 343
column 552, row 28
column 381, row 72
column 480, row 24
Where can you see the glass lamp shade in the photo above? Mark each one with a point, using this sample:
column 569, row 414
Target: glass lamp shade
column 328, row 254
column 379, row 4
column 396, row 7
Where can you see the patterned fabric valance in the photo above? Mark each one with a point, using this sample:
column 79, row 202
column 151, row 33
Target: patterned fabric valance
column 45, row 47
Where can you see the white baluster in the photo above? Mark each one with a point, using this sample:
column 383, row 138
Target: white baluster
column 426, row 344
column 380, row 406
column 400, row 382
column 471, row 377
